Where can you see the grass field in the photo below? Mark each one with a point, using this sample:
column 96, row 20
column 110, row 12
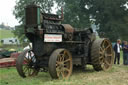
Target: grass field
column 118, row 75
column 6, row 34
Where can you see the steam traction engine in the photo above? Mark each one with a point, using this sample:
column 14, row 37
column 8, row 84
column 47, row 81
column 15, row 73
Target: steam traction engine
column 59, row 47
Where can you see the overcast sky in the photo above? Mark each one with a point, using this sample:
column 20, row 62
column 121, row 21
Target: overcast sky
column 6, row 12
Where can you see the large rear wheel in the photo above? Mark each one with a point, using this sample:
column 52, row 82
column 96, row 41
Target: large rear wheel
column 102, row 54
column 60, row 64
column 25, row 64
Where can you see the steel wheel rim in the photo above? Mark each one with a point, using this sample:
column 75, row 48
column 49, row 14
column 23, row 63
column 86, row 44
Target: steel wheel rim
column 27, row 67
column 64, row 64
column 106, row 54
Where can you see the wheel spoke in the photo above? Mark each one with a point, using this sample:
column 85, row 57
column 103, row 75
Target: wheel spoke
column 107, row 47
column 63, row 57
column 62, row 73
column 103, row 44
column 101, row 59
column 109, row 55
column 26, row 59
column 58, row 71
column 106, row 66
column 28, row 71
column 107, row 62
column 57, row 63
column 64, row 53
column 25, row 69
column 31, row 72
column 59, row 58
column 67, row 60
column 62, row 63
column 101, row 52
column 66, row 69
column 101, row 49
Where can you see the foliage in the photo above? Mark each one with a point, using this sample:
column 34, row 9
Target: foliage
column 110, row 14
column 19, row 32
column 21, row 4
column 5, row 27
column 19, row 12
column 73, row 14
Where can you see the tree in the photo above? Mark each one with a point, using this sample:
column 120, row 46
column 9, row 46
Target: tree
column 111, row 15
column 19, row 32
column 19, row 12
column 73, row 14
column 46, row 6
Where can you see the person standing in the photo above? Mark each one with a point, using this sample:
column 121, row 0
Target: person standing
column 125, row 53
column 117, row 48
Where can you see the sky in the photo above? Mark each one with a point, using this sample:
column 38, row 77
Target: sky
column 6, row 12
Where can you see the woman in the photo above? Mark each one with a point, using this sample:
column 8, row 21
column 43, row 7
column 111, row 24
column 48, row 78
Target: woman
column 125, row 53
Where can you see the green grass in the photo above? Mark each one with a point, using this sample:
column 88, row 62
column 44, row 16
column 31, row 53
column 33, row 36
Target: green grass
column 16, row 47
column 6, row 34
column 118, row 75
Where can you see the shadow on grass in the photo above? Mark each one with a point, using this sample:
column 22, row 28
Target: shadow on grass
column 87, row 69
column 45, row 76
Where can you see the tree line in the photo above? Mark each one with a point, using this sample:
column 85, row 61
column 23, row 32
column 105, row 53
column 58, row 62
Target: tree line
column 109, row 15
column 5, row 27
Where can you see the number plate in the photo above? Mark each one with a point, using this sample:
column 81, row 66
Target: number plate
column 52, row 38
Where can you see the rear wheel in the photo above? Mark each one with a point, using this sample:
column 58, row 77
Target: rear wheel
column 60, row 64
column 102, row 54
column 25, row 64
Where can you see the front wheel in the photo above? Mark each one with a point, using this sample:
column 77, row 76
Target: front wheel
column 25, row 64
column 60, row 64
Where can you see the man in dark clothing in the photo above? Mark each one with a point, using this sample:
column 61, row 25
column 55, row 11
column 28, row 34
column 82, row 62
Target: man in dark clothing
column 125, row 53
column 117, row 48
